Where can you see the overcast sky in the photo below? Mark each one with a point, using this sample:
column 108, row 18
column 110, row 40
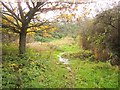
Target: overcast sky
column 93, row 8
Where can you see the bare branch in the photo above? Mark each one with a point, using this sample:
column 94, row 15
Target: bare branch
column 11, row 6
column 21, row 11
column 13, row 17
column 43, row 4
column 4, row 17
column 37, row 25
column 28, row 5
column 9, row 10
column 33, row 3
column 111, row 25
column 11, row 28
column 32, row 12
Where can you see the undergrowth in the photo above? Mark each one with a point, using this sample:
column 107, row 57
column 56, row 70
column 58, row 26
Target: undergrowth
column 43, row 70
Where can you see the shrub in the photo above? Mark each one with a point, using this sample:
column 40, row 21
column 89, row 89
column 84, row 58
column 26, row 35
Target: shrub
column 101, row 35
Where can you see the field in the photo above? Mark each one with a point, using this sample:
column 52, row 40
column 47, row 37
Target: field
column 41, row 68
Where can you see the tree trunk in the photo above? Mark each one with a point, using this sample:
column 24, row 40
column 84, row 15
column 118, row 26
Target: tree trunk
column 22, row 42
column 119, row 28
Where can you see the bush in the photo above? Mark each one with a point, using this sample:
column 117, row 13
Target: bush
column 55, row 35
column 101, row 35
column 20, row 72
column 43, row 39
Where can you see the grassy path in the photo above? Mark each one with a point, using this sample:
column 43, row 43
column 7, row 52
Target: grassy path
column 87, row 74
column 70, row 71
column 71, row 78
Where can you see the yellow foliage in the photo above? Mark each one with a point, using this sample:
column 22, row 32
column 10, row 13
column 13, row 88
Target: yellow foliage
column 31, row 33
column 44, row 31
column 67, row 16
column 44, row 27
column 9, row 18
column 4, row 21
column 53, row 29
column 33, row 28
column 12, row 65
column 45, row 35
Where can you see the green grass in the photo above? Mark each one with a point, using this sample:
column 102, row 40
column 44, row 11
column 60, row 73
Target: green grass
column 69, row 48
column 97, row 75
column 43, row 70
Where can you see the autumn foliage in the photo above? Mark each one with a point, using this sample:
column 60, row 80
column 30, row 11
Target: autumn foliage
column 102, row 36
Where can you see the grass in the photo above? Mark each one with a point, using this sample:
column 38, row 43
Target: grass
column 43, row 69
column 97, row 75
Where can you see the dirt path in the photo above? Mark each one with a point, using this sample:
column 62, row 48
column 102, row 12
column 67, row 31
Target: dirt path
column 71, row 77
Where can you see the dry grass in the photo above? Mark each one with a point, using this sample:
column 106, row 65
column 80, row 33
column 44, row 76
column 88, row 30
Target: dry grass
column 67, row 40
column 38, row 46
column 45, row 46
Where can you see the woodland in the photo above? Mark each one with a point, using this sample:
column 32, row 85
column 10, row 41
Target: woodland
column 60, row 44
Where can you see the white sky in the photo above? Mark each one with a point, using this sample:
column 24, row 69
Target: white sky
column 96, row 7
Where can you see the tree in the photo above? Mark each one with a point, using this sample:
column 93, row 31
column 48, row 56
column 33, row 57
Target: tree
column 21, row 18
column 102, row 36
column 20, row 21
